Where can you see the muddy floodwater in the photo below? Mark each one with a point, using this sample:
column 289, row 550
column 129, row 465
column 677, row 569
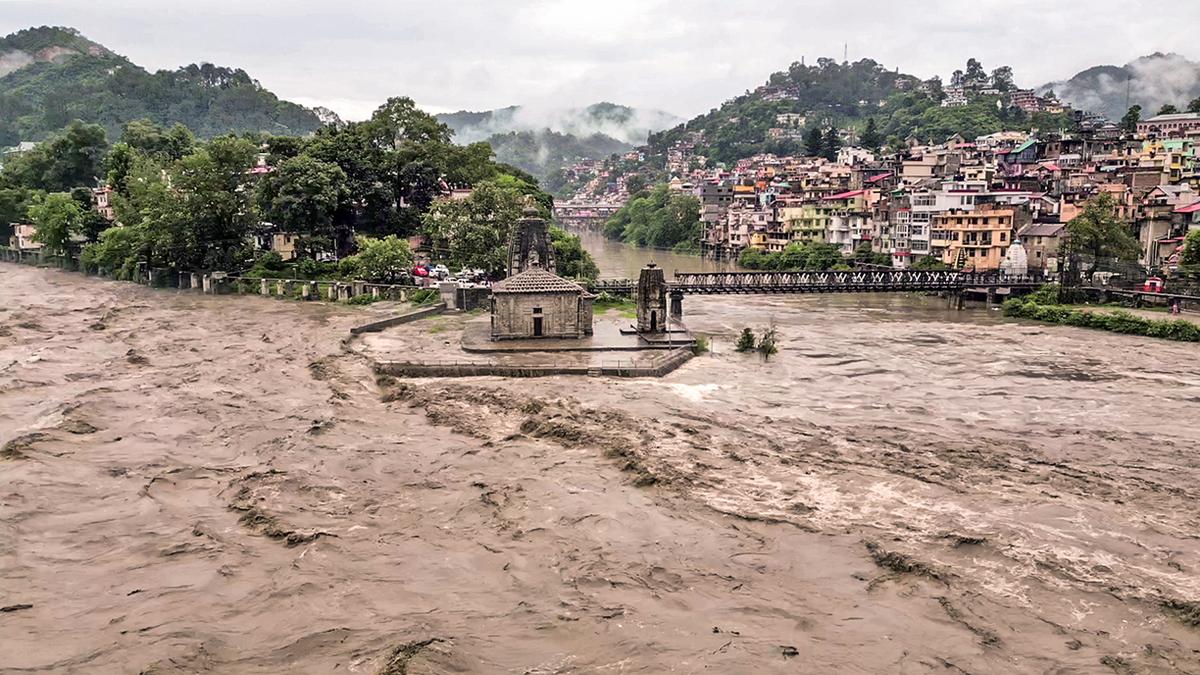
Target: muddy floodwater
column 220, row 484
column 622, row 261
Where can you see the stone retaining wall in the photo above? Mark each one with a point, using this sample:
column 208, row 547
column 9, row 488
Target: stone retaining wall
column 376, row 326
column 663, row 367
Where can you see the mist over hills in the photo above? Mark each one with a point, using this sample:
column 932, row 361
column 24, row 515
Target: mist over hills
column 622, row 123
column 52, row 75
column 1150, row 81
column 541, row 141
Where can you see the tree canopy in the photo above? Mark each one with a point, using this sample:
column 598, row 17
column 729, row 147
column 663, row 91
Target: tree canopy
column 658, row 218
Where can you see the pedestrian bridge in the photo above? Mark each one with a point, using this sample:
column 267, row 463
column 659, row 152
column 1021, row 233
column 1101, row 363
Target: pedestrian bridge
column 829, row 281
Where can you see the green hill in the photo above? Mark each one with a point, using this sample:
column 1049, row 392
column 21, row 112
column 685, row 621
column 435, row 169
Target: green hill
column 50, row 76
column 843, row 95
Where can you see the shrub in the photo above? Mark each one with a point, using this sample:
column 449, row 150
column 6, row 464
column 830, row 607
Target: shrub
column 1116, row 322
column 746, row 341
column 700, row 346
column 363, row 299
column 425, row 296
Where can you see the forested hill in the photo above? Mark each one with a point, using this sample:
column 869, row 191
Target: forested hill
column 50, row 76
column 845, row 95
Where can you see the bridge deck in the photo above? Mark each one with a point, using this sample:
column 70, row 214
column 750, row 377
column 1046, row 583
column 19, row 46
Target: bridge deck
column 830, row 281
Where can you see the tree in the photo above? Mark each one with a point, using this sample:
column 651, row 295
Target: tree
column 870, row 137
column 1189, row 260
column 975, row 74
column 152, row 140
column 72, row 159
column 814, row 142
column 1194, row 106
column 1002, row 78
column 831, row 144
column 385, row 261
column 1130, row 121
column 745, row 341
column 303, row 195
column 635, row 184
column 57, row 219
column 957, row 78
column 767, row 343
column 936, row 91
column 658, row 218
column 1098, row 233
column 474, row 232
column 571, row 260
column 117, row 167
column 90, row 223
column 1168, row 109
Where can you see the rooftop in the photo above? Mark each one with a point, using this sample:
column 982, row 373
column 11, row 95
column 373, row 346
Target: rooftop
column 537, row 280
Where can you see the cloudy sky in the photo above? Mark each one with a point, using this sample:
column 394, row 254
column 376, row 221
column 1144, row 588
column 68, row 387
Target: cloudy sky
column 680, row 56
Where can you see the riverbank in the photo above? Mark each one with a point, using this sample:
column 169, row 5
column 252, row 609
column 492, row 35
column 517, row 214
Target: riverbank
column 1144, row 323
column 197, row 482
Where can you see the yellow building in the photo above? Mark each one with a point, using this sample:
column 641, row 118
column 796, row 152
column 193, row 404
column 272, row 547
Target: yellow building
column 806, row 222
column 973, row 239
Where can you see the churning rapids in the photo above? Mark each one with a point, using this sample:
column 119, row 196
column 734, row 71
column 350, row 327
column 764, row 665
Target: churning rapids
column 193, row 483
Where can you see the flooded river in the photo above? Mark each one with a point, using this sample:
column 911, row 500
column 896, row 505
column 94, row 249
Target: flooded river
column 618, row 260
column 219, row 484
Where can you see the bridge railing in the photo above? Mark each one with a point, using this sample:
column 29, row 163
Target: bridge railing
column 833, row 281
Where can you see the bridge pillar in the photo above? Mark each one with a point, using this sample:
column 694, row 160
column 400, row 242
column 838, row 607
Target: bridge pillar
column 991, row 297
column 677, row 306
column 652, row 300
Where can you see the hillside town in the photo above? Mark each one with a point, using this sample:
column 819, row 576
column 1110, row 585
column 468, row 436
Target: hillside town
column 957, row 202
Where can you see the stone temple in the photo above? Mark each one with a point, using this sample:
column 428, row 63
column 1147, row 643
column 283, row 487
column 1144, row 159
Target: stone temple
column 533, row 302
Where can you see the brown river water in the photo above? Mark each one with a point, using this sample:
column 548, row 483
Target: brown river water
column 219, row 484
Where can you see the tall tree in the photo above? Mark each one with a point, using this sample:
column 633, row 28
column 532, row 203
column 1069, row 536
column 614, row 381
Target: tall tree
column 303, row 195
column 72, row 159
column 1130, row 121
column 831, row 144
column 57, row 219
column 1194, row 106
column 1002, row 78
column 1098, row 233
column 1168, row 109
column 975, row 74
column 814, row 142
column 473, row 232
column 870, row 136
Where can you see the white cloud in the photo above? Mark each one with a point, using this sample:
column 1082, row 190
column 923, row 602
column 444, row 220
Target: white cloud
column 681, row 56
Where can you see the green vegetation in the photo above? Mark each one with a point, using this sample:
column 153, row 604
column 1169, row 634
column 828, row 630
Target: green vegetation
column 192, row 205
column 1098, row 233
column 1119, row 321
column 882, row 103
column 767, row 346
column 625, row 306
column 363, row 299
column 700, row 345
column 659, row 219
column 746, row 341
column 381, row 261
column 796, row 256
column 570, row 259
column 70, row 77
column 544, row 152
column 1189, row 260
column 425, row 296
column 58, row 219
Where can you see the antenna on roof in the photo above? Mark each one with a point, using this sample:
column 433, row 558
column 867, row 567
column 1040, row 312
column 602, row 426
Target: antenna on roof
column 846, row 52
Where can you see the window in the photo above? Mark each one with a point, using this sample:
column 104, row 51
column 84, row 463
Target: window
column 537, row 310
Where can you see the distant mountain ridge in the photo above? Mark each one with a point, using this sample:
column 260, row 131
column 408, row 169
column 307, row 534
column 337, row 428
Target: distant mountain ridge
column 52, row 75
column 622, row 123
column 544, row 141
column 1150, row 81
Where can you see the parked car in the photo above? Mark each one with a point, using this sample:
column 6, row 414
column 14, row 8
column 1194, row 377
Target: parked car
column 419, row 271
column 441, row 271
